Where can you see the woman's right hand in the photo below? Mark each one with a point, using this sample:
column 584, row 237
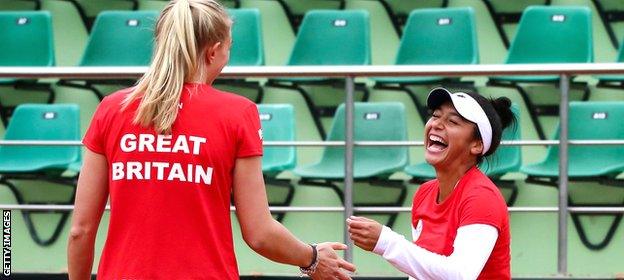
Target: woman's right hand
column 330, row 265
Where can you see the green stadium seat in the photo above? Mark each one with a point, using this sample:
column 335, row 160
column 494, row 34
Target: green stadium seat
column 587, row 120
column 541, row 34
column 398, row 10
column 27, row 40
column 372, row 122
column 247, row 47
column 47, row 163
column 434, row 36
column 278, row 124
column 506, row 159
column 118, row 38
column 505, row 12
column 296, row 9
column 89, row 9
column 328, row 37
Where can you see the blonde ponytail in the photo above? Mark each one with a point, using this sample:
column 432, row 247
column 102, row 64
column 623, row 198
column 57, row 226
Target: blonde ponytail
column 183, row 31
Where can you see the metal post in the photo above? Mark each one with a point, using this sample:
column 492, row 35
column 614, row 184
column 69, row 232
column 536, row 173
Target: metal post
column 348, row 179
column 562, row 241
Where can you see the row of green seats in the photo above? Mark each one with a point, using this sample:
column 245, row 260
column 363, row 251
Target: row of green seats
column 375, row 165
column 386, row 122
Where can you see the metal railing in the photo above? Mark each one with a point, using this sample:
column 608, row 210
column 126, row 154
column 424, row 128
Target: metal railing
column 565, row 71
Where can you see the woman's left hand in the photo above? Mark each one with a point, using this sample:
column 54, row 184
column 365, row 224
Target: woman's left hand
column 364, row 232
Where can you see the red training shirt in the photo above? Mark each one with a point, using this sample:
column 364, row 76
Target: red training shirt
column 170, row 194
column 475, row 200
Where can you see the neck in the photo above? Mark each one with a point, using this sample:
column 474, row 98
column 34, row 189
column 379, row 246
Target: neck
column 448, row 178
column 205, row 75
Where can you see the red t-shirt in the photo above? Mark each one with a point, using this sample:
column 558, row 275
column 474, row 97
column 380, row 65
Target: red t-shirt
column 475, row 200
column 170, row 195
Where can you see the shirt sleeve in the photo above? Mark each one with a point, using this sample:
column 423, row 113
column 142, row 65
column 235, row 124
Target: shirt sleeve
column 94, row 138
column 472, row 248
column 483, row 206
column 249, row 142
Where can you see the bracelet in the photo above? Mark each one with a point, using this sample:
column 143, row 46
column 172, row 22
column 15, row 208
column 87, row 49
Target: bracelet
column 309, row 270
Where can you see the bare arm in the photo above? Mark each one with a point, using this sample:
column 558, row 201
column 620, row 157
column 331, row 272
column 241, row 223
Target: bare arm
column 90, row 202
column 268, row 237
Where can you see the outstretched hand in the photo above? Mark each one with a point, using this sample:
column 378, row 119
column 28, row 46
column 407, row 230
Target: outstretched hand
column 364, row 232
column 330, row 265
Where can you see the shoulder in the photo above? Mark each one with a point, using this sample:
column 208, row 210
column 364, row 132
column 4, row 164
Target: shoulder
column 481, row 186
column 482, row 202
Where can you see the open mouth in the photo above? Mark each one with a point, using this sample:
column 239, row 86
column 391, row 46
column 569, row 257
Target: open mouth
column 436, row 143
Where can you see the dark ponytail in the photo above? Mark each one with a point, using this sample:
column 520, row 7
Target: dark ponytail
column 502, row 105
column 500, row 115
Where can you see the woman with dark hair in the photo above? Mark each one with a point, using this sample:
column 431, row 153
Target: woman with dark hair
column 460, row 223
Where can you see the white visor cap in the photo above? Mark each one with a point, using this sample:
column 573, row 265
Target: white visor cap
column 468, row 108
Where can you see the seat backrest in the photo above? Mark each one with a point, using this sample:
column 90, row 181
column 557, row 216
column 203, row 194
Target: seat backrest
column 439, row 36
column 44, row 122
column 278, row 124
column 247, row 48
column 593, row 120
column 333, row 37
column 26, row 38
column 507, row 158
column 121, row 38
column 383, row 121
column 553, row 34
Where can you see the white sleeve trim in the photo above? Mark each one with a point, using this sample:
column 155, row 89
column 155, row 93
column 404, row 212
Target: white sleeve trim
column 472, row 248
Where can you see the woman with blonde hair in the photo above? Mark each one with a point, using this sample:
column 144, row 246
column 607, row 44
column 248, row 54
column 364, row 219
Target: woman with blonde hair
column 171, row 152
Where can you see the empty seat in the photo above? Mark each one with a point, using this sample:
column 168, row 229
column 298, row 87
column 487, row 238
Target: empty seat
column 588, row 120
column 41, row 122
column 434, row 36
column 278, row 124
column 118, row 38
column 506, row 159
column 27, row 40
column 328, row 37
column 247, row 47
column 548, row 34
column 384, row 121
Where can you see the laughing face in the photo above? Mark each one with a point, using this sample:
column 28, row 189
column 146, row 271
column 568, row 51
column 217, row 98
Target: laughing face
column 450, row 140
